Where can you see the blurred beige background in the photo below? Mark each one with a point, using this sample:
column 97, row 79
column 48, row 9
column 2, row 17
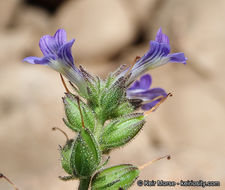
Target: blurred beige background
column 190, row 126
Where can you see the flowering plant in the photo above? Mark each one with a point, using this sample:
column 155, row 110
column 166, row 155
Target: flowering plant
column 103, row 113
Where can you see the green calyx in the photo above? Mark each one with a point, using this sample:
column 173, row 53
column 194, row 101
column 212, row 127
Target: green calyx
column 116, row 177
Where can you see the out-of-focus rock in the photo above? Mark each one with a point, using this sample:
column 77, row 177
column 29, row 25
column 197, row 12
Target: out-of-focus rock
column 13, row 45
column 25, row 27
column 141, row 11
column 49, row 5
column 32, row 18
column 7, row 9
column 195, row 29
column 16, row 44
column 102, row 28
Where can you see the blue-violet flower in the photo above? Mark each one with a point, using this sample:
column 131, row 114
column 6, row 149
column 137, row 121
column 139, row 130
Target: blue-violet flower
column 57, row 55
column 157, row 55
column 141, row 90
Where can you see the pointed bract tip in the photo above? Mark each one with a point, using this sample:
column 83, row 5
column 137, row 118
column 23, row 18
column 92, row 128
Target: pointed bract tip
column 8, row 180
column 63, row 132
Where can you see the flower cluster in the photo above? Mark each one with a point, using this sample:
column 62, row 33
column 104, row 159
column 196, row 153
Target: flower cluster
column 103, row 113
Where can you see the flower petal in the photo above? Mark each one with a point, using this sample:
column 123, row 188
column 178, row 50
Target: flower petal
column 135, row 85
column 161, row 38
column 51, row 44
column 157, row 55
column 154, row 93
column 65, row 54
column 37, row 60
column 156, row 51
column 47, row 45
column 178, row 57
column 146, row 95
column 30, row 59
column 145, row 82
column 60, row 37
column 150, row 105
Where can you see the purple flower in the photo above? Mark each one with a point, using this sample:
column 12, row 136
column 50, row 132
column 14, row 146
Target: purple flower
column 157, row 55
column 57, row 55
column 141, row 90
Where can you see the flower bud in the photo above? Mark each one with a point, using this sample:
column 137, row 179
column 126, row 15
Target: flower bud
column 73, row 114
column 116, row 177
column 86, row 155
column 120, row 131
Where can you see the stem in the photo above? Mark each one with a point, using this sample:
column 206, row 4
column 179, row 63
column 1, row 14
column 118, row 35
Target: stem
column 98, row 128
column 99, row 123
column 84, row 183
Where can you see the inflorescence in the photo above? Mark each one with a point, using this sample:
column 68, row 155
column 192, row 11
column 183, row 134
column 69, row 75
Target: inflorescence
column 104, row 113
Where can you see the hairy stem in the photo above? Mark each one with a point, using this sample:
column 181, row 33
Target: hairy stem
column 98, row 129
column 84, row 183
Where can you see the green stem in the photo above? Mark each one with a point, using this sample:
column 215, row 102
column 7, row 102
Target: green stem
column 99, row 124
column 84, row 183
column 98, row 129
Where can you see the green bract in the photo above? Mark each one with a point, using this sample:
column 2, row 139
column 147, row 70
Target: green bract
column 65, row 157
column 111, row 98
column 113, row 178
column 120, row 131
column 73, row 114
column 86, row 155
column 123, row 109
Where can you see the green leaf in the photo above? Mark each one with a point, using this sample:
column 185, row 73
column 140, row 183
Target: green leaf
column 112, row 178
column 120, row 131
column 86, row 155
column 73, row 114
